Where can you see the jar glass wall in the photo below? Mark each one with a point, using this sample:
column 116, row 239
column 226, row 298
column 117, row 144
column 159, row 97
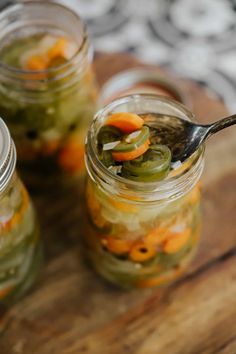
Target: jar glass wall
column 142, row 234
column 20, row 245
column 48, row 93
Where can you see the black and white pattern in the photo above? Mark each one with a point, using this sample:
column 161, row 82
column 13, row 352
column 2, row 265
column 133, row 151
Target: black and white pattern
column 194, row 38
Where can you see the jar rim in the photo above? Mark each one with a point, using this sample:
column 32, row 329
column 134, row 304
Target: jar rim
column 7, row 156
column 69, row 63
column 170, row 186
column 118, row 84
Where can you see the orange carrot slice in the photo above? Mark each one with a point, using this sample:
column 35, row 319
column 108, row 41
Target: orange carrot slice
column 142, row 252
column 131, row 155
column 116, row 245
column 157, row 236
column 37, row 62
column 58, row 50
column 71, row 156
column 176, row 242
column 126, row 122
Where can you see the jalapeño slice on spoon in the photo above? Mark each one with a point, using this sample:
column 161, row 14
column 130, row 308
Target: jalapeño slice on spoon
column 132, row 141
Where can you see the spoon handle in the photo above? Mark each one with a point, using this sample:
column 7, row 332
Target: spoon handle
column 221, row 124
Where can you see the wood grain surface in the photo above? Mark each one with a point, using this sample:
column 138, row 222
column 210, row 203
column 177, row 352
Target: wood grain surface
column 71, row 311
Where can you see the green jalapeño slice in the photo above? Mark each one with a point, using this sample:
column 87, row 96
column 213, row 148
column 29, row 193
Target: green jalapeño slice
column 154, row 165
column 132, row 141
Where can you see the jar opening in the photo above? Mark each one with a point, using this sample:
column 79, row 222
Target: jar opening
column 171, row 187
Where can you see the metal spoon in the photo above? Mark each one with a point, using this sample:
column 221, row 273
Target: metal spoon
column 181, row 136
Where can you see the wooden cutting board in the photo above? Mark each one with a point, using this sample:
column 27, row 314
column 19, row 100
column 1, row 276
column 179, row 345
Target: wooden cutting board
column 72, row 311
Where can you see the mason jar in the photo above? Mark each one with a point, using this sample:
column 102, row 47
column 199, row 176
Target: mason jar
column 142, row 234
column 20, row 245
column 48, row 93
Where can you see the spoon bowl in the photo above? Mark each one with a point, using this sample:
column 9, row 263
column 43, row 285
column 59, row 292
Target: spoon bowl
column 183, row 137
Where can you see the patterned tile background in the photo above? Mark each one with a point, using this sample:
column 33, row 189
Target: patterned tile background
column 194, row 38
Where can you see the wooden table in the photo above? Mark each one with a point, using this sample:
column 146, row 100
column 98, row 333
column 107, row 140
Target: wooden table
column 72, row 311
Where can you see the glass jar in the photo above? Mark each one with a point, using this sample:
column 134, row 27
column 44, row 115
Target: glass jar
column 142, row 234
column 47, row 110
column 20, row 246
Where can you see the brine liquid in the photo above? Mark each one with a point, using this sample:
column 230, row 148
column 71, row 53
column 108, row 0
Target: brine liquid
column 20, row 244
column 141, row 245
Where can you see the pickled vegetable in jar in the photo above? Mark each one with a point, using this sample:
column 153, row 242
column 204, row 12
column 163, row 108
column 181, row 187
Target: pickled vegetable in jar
column 144, row 210
column 48, row 93
column 20, row 245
